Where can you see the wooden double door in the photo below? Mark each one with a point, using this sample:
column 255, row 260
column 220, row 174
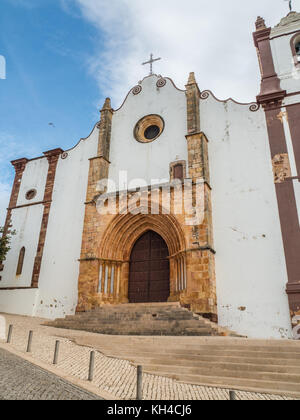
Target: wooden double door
column 149, row 278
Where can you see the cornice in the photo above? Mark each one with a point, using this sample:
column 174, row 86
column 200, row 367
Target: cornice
column 261, row 35
column 271, row 100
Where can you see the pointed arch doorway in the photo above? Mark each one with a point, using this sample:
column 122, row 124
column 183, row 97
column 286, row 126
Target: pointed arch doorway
column 149, row 276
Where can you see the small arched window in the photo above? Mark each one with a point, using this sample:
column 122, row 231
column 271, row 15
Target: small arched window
column 178, row 172
column 297, row 47
column 21, row 261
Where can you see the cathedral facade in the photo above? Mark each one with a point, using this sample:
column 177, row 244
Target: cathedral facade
column 175, row 196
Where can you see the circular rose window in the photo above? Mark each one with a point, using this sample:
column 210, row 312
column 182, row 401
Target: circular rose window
column 30, row 194
column 149, row 128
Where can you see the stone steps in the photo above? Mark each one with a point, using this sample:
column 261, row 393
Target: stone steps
column 225, row 373
column 251, row 365
column 215, row 365
column 138, row 330
column 201, row 349
column 267, row 366
column 181, row 359
column 168, row 319
column 250, row 385
column 214, row 353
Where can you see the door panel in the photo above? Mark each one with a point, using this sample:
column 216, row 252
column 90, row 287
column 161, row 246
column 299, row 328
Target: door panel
column 149, row 278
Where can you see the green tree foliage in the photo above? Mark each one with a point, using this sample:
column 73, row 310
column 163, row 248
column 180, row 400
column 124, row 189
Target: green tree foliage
column 5, row 243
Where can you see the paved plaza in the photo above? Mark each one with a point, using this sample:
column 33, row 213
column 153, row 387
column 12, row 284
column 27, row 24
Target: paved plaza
column 21, row 380
column 114, row 377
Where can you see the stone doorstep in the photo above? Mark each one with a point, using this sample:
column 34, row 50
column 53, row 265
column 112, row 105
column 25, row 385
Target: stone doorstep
column 142, row 331
column 180, row 324
column 142, row 305
column 133, row 315
column 163, row 326
column 146, row 333
column 144, row 318
column 135, row 319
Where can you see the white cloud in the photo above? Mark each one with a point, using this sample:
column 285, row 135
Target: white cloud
column 214, row 39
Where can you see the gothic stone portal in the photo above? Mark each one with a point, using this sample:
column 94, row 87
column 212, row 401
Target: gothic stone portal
column 177, row 265
column 149, row 278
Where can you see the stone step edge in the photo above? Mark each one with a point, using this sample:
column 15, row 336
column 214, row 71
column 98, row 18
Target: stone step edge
column 205, row 326
column 236, row 375
column 207, row 347
column 208, row 382
column 272, row 375
column 240, row 366
column 262, row 391
column 217, row 352
column 225, row 361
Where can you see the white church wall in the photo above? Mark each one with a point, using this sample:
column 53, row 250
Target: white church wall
column 149, row 161
column 34, row 177
column 58, row 283
column 250, row 264
column 19, row 302
column 26, row 222
column 291, row 100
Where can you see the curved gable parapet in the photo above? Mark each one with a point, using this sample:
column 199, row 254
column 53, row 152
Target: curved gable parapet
column 253, row 106
column 71, row 148
column 161, row 82
column 95, row 127
column 290, row 18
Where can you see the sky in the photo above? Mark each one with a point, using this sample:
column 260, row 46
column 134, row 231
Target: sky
column 64, row 57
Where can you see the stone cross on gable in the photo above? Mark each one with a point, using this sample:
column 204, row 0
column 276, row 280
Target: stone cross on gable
column 290, row 4
column 151, row 61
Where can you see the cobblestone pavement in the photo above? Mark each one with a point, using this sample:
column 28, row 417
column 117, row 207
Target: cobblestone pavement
column 21, row 380
column 117, row 377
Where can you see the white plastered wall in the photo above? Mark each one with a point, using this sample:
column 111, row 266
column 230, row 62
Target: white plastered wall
column 34, row 177
column 56, row 295
column 148, row 161
column 58, row 283
column 250, row 263
column 20, row 302
column 26, row 222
